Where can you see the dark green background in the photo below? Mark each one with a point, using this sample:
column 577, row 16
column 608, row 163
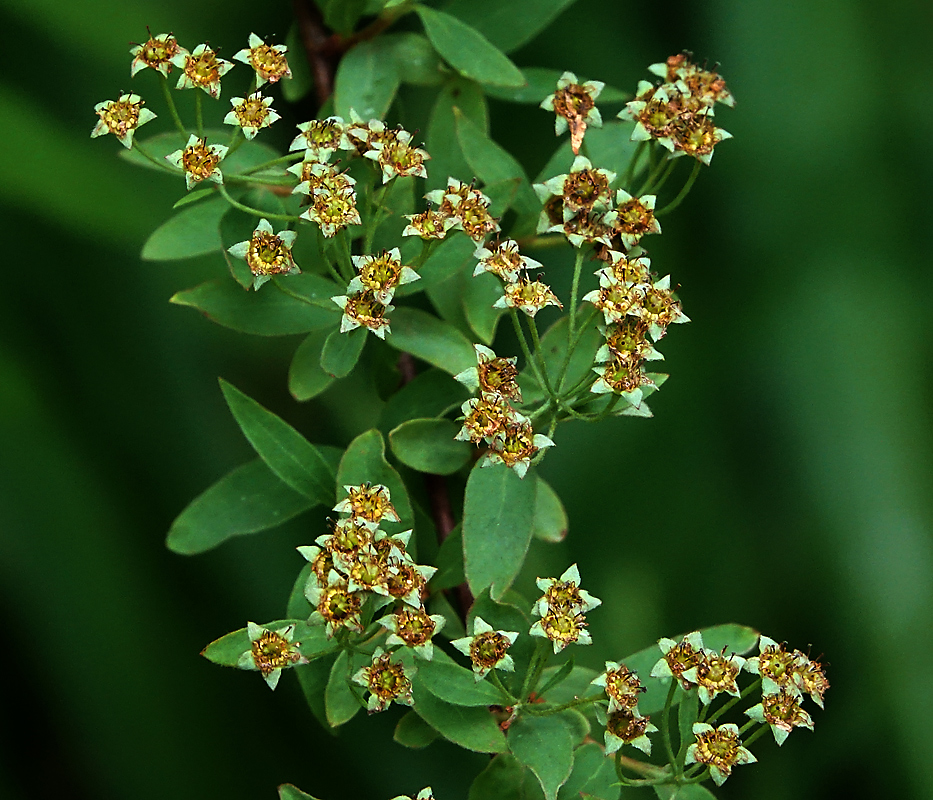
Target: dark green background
column 785, row 482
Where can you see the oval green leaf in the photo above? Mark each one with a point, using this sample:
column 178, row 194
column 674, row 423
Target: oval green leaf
column 249, row 499
column 501, row 780
column 289, row 792
column 191, row 232
column 508, row 25
column 467, row 50
column 551, row 522
column 340, row 702
column 479, row 296
column 306, row 378
column 413, row 732
column 365, row 461
column 447, row 160
column 430, row 394
column 471, row 728
column 498, row 518
column 366, row 81
column 430, row 339
column 341, row 352
column 296, row 461
column 545, row 746
column 428, row 445
column 456, row 685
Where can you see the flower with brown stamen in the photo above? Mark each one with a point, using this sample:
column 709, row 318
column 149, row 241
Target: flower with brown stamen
column 575, row 107
column 487, row 648
column 334, row 603
column 199, row 161
column 413, row 627
column 121, row 118
column 621, row 684
column 493, row 375
column 515, row 445
column 503, row 260
column 583, row 189
column 270, row 652
column 333, row 210
column 715, row 673
column 381, row 274
column 782, row 712
column 625, row 726
column 370, row 502
column 678, row 657
column 810, row 677
column 719, row 748
column 622, row 375
column 268, row 60
column 483, row 418
column 320, row 137
column 363, row 309
column 428, row 225
column 528, row 296
column 201, row 69
column 564, row 594
column 267, row 253
column 387, row 681
column 633, row 218
column 156, row 52
column 562, row 628
column 251, row 114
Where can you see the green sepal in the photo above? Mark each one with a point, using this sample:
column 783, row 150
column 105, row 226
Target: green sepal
column 428, row 445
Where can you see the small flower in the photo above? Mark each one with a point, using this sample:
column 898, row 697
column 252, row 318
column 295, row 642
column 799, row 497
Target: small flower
column 583, row 189
column 271, row 651
column 368, row 502
column 575, row 106
column 320, row 137
column 653, row 113
column 782, row 712
column 719, row 748
column 678, row 657
column 156, row 52
column 493, row 376
column 121, row 118
column 321, row 560
column 621, row 684
column 624, row 377
column 333, row 211
column 365, row 571
column 810, row 678
column 564, row 594
column 483, row 418
column 334, row 604
column 397, row 157
column 393, row 548
column 627, row 340
column 199, row 161
column 528, row 296
column 251, row 114
column 696, row 135
column 408, row 582
column 776, row 666
column 361, row 136
column 268, row 60
column 487, row 648
column 503, row 260
column 363, row 309
column 704, row 86
column 424, row 794
column 201, row 69
column 584, row 228
column 320, row 178
column 428, row 225
column 659, row 308
column 472, row 216
column 562, row 628
column 267, row 253
column 715, row 673
column 515, row 444
column 413, row 628
column 625, row 726
column 616, row 300
column 349, row 536
column 627, row 270
column 633, row 217
column 387, row 681
column 381, row 275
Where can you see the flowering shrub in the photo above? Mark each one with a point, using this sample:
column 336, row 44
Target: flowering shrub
column 331, row 240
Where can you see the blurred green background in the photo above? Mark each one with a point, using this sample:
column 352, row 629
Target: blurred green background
column 785, row 482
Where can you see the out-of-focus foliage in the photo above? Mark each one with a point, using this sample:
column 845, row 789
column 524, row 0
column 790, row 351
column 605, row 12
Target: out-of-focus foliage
column 788, row 466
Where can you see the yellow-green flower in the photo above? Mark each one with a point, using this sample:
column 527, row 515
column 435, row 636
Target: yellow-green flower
column 199, row 161
column 487, row 648
column 271, row 651
column 121, row 118
column 386, row 680
column 267, row 253
column 251, row 114
column 156, row 52
column 201, row 69
column 719, row 748
column 268, row 60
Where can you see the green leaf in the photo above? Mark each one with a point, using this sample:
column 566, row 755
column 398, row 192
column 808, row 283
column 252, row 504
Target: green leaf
column 195, row 196
column 226, row 650
column 298, row 606
column 342, row 15
column 447, row 160
column 268, row 312
column 502, row 195
column 430, row 339
column 313, row 679
column 249, row 499
column 545, row 746
column 559, row 675
column 453, row 626
column 289, row 792
column 191, row 232
column 340, row 702
column 550, row 523
column 479, row 295
column 467, row 50
column 449, row 562
column 492, row 163
column 415, row 59
column 735, row 638
column 501, row 780
column 289, row 455
column 428, row 445
column 366, row 81
column 687, row 713
column 692, row 791
column 577, row 684
column 431, row 393
column 341, row 352
column 509, row 25
column 471, row 728
column 310, row 288
column 456, row 685
column 449, row 258
column 301, row 82
column 498, row 517
column 413, row 732
column 306, row 378
column 589, row 760
column 398, row 201
column 541, row 82
column 365, row 461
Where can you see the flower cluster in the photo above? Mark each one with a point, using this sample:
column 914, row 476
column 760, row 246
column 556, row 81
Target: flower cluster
column 519, row 290
column 637, row 308
column 369, row 294
column 562, row 609
column 678, row 114
column 271, row 651
column 459, row 206
column 490, row 418
column 359, row 561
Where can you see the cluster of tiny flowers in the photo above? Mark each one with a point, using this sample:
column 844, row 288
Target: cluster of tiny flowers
column 271, row 651
column 519, row 290
column 490, row 418
column 678, row 113
column 786, row 677
column 624, row 724
column 637, row 307
column 357, row 561
column 200, row 68
column 562, row 610
column 369, row 294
